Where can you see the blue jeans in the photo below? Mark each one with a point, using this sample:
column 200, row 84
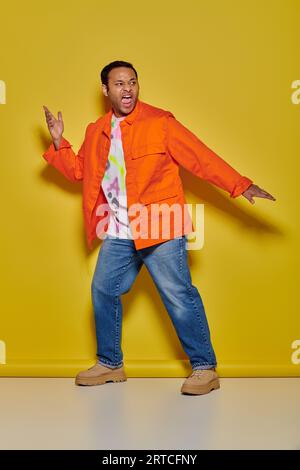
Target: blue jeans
column 117, row 266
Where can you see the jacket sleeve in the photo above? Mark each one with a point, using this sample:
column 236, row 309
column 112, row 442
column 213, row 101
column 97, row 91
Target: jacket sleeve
column 191, row 153
column 65, row 160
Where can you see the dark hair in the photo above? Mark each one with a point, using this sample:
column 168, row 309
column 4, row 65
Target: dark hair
column 117, row 63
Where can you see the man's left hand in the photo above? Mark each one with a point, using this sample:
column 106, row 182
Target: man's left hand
column 256, row 191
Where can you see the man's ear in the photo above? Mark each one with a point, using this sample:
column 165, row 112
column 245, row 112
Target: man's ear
column 104, row 89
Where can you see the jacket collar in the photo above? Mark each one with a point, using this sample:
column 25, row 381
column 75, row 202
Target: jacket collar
column 129, row 118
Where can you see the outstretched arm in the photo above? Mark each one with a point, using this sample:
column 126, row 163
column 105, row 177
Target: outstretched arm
column 191, row 153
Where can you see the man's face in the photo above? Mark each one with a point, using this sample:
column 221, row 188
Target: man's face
column 122, row 90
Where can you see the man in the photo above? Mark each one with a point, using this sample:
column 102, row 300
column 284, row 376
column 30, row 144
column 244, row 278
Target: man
column 130, row 157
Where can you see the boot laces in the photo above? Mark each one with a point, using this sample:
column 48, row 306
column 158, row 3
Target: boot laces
column 197, row 372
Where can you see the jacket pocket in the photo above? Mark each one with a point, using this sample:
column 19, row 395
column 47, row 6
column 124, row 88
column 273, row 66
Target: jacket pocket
column 148, row 149
column 159, row 195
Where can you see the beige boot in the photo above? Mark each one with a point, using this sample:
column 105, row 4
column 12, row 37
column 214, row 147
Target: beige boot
column 99, row 374
column 200, row 382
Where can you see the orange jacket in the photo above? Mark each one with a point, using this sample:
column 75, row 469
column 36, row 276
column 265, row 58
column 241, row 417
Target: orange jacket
column 154, row 145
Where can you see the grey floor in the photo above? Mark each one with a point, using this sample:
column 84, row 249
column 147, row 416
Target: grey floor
column 51, row 413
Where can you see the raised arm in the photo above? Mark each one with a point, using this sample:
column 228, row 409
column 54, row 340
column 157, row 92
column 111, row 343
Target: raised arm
column 60, row 153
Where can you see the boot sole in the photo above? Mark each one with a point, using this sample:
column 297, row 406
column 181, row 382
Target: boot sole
column 100, row 380
column 200, row 389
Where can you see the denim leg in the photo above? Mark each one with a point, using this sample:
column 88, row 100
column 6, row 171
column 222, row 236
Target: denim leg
column 168, row 265
column 117, row 266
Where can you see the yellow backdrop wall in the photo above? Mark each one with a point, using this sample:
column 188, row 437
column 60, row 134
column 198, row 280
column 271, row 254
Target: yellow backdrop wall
column 226, row 69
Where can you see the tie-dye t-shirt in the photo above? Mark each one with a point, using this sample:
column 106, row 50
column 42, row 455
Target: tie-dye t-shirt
column 113, row 184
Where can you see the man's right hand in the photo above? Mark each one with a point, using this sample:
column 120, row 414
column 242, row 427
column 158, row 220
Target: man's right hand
column 55, row 126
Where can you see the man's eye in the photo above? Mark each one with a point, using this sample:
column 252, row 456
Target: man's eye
column 131, row 83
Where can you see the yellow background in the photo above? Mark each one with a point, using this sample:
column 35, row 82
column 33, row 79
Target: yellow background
column 225, row 69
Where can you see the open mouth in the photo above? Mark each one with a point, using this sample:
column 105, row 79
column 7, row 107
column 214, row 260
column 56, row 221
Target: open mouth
column 127, row 100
